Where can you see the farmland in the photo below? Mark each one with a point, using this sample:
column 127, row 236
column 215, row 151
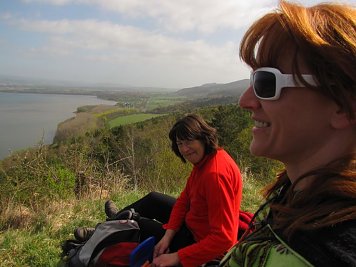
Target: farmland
column 132, row 118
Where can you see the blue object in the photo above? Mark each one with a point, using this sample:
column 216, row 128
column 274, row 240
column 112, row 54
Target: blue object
column 143, row 252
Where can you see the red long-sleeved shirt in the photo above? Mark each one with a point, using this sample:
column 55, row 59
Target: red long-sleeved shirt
column 209, row 205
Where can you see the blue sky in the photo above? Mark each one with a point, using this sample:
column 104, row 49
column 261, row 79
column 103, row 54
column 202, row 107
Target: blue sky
column 153, row 43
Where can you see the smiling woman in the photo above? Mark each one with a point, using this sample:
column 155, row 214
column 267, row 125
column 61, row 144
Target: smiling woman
column 202, row 223
column 302, row 99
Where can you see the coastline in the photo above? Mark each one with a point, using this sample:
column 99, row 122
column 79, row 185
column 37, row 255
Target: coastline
column 28, row 119
column 62, row 91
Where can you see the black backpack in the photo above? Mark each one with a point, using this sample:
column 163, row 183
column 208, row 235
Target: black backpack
column 110, row 245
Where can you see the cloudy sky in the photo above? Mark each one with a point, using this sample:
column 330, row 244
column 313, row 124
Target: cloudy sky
column 154, row 43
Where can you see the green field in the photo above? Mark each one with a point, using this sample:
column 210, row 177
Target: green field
column 162, row 101
column 133, row 118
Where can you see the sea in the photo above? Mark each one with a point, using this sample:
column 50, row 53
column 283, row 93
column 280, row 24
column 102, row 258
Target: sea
column 27, row 120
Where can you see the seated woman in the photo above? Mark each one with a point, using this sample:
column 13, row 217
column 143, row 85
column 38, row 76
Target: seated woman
column 202, row 223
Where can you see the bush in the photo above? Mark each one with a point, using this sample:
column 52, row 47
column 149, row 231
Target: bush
column 234, row 130
column 31, row 177
column 61, row 181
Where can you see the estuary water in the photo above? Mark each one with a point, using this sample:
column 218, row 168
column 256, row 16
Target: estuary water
column 28, row 119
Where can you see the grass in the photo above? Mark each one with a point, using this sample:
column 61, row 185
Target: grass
column 162, row 101
column 40, row 244
column 133, row 118
column 251, row 193
column 23, row 248
column 33, row 238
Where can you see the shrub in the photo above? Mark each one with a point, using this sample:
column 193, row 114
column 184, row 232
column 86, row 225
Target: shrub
column 234, row 130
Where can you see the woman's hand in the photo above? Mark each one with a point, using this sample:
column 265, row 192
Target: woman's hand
column 162, row 246
column 164, row 260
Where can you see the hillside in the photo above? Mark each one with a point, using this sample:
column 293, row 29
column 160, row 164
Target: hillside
column 48, row 191
column 121, row 92
column 205, row 95
column 215, row 90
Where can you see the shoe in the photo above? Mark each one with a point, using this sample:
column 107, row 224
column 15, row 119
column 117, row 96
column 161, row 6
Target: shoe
column 110, row 209
column 83, row 233
column 130, row 214
column 124, row 215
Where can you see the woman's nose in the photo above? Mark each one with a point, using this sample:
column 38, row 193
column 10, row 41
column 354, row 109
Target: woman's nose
column 184, row 147
column 248, row 99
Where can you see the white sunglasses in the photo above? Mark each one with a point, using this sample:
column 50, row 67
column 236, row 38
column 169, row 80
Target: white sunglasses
column 267, row 83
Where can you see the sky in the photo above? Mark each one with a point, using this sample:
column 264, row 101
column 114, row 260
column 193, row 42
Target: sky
column 147, row 43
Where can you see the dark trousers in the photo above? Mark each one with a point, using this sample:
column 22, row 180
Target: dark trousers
column 155, row 209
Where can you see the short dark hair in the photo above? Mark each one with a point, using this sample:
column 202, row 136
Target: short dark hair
column 193, row 127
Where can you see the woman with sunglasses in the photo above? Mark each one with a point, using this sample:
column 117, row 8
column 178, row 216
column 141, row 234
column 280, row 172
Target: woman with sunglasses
column 302, row 99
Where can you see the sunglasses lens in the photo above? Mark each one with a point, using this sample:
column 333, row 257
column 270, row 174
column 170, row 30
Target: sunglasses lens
column 264, row 84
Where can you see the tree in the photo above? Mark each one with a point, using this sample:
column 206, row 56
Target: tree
column 234, row 131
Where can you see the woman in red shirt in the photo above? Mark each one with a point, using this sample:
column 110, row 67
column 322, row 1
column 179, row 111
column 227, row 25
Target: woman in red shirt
column 202, row 223
column 210, row 202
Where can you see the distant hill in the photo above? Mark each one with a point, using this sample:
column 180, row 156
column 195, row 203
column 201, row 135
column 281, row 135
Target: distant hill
column 215, row 90
column 192, row 97
column 33, row 85
column 211, row 94
column 20, row 84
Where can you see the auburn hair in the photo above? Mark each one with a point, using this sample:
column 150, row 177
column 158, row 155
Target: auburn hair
column 324, row 38
column 329, row 200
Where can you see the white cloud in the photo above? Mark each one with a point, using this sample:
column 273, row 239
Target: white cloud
column 158, row 55
column 184, row 15
column 161, row 59
column 99, row 35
